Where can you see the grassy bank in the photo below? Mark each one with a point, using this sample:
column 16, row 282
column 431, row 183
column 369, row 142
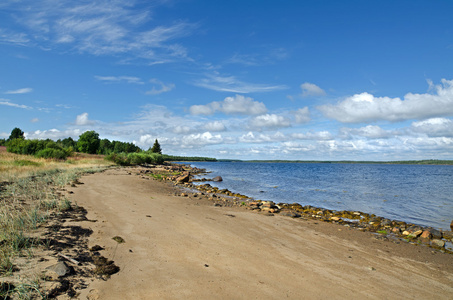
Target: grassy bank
column 30, row 195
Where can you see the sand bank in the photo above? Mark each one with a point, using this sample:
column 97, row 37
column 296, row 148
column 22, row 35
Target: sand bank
column 187, row 248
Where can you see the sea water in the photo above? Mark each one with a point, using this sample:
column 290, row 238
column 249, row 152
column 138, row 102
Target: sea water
column 419, row 194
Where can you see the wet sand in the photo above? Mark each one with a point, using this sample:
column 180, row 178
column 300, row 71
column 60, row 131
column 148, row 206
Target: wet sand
column 187, row 248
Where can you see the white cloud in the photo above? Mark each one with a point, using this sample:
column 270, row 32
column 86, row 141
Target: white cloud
column 250, row 137
column 269, row 121
column 11, row 37
column 435, row 127
column 97, row 27
column 238, row 105
column 201, row 139
column 215, row 126
column 366, row 107
column 119, row 79
column 310, row 89
column 431, row 147
column 162, row 88
column 82, row 120
column 302, row 115
column 369, row 131
column 232, row 84
column 6, row 102
column 319, row 135
column 294, row 147
column 201, row 110
column 20, row 91
column 34, row 120
column 54, row 134
column 181, row 129
column 147, row 139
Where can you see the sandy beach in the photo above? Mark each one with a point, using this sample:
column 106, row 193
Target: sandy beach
column 186, row 248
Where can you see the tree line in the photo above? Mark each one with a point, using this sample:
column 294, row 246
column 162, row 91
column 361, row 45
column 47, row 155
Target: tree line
column 88, row 142
column 122, row 153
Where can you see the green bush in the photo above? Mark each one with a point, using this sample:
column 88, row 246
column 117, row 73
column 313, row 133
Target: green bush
column 139, row 158
column 38, row 148
column 14, row 146
column 118, row 158
column 52, row 153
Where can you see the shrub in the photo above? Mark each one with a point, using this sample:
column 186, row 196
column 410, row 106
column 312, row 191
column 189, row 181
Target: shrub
column 52, row 153
column 135, row 158
column 118, row 158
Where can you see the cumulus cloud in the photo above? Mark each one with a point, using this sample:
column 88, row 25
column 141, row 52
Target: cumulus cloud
column 147, row 139
column 319, row 135
column 369, row 131
column 302, row 115
column 215, row 126
column 436, row 147
column 34, row 120
column 311, row 89
column 270, row 121
column 250, row 137
column 159, row 87
column 295, row 147
column 82, row 120
column 435, row 127
column 20, row 91
column 201, row 110
column 181, row 129
column 238, row 105
column 365, row 107
column 6, row 102
column 201, row 139
column 53, row 134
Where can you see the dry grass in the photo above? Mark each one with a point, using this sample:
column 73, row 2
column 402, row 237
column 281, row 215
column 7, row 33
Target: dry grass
column 14, row 166
column 28, row 197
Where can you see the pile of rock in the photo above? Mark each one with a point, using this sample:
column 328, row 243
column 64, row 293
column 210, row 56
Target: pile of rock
column 389, row 229
column 264, row 206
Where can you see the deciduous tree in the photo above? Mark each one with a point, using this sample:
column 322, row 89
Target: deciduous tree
column 16, row 133
column 89, row 142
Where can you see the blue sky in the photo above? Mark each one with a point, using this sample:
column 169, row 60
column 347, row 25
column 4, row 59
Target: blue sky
column 323, row 80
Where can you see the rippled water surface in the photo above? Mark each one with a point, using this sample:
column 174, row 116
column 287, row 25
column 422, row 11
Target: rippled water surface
column 420, row 194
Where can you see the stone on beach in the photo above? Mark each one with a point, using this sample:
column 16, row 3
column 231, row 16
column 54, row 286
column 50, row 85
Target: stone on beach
column 438, row 243
column 289, row 213
column 396, row 230
column 217, row 179
column 426, row 235
column 183, row 178
column 437, row 234
column 58, row 270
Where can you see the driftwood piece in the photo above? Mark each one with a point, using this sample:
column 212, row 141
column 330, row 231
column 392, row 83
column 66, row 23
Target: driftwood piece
column 69, row 259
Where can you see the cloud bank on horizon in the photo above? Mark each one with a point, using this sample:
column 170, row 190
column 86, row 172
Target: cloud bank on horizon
column 302, row 81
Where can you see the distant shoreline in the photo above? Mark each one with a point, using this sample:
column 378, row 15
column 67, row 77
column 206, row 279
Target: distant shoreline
column 402, row 162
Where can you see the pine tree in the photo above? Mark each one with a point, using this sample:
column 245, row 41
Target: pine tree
column 156, row 148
